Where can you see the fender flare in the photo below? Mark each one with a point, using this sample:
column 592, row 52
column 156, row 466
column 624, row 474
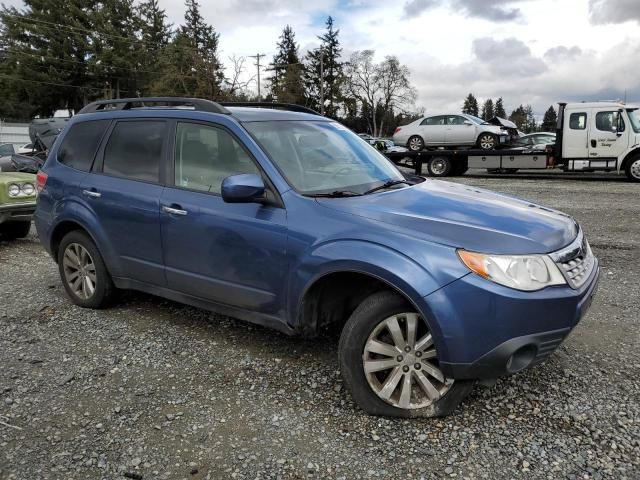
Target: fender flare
column 399, row 272
column 632, row 153
column 73, row 211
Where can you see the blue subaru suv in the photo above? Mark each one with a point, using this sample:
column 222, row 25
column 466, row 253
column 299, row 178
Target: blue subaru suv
column 287, row 219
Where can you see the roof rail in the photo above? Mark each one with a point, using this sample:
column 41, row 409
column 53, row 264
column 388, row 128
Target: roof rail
column 198, row 104
column 283, row 106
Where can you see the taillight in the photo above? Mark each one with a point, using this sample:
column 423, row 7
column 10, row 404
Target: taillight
column 41, row 180
column 397, row 130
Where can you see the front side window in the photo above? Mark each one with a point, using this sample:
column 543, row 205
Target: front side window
column 80, row 144
column 456, row 120
column 578, row 121
column 134, row 150
column 609, row 122
column 205, row 156
column 322, row 157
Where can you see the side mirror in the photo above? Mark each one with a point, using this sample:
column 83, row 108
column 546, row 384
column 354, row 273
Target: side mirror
column 468, row 122
column 244, row 188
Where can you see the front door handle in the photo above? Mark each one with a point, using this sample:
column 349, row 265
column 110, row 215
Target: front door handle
column 174, row 211
column 594, row 144
column 91, row 193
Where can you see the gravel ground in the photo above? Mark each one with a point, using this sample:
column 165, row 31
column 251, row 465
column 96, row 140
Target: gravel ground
column 153, row 389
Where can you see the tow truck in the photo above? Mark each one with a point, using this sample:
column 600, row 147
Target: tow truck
column 590, row 137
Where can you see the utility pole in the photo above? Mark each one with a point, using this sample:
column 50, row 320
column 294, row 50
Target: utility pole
column 257, row 56
column 321, row 81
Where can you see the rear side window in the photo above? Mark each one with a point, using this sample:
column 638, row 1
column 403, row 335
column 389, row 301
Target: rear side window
column 81, row 143
column 578, row 121
column 433, row 121
column 134, row 150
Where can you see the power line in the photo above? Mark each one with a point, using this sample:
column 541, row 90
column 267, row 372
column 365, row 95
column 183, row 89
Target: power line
column 257, row 56
column 19, row 79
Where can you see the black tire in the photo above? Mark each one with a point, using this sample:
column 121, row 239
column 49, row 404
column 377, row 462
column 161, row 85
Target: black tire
column 373, row 310
column 105, row 290
column 13, row 230
column 487, row 141
column 415, row 143
column 632, row 169
column 440, row 166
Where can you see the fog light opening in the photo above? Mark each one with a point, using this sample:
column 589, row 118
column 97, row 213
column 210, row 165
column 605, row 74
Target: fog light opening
column 522, row 358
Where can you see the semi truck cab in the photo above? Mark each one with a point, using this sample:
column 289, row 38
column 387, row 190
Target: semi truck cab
column 599, row 136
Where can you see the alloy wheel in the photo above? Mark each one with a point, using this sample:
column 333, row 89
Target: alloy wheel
column 487, row 142
column 415, row 144
column 401, row 363
column 635, row 169
column 79, row 271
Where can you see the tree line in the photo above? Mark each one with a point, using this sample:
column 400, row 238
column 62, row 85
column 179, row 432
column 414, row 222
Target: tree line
column 63, row 54
column 522, row 116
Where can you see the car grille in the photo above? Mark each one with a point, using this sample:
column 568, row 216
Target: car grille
column 576, row 261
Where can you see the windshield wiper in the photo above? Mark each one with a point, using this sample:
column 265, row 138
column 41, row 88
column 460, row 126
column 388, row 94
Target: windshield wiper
column 335, row 194
column 388, row 184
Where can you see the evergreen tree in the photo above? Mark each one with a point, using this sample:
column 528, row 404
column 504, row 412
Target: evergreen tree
column 44, row 67
column 487, row 110
column 470, row 106
column 155, row 33
column 523, row 117
column 287, row 83
column 499, row 109
column 550, row 120
column 324, row 69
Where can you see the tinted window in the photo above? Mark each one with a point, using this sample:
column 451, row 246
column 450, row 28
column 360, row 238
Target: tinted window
column 205, row 156
column 608, row 122
column 134, row 150
column 81, row 143
column 6, row 149
column 433, row 121
column 578, row 121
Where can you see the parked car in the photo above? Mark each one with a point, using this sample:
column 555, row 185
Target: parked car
column 534, row 141
column 287, row 219
column 385, row 145
column 507, row 126
column 450, row 130
column 17, row 204
column 28, row 148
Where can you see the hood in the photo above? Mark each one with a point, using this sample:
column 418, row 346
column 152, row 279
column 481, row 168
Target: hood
column 466, row 217
column 502, row 122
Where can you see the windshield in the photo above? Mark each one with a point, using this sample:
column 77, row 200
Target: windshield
column 634, row 117
column 323, row 157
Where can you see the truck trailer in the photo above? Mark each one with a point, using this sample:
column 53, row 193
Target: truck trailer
column 590, row 137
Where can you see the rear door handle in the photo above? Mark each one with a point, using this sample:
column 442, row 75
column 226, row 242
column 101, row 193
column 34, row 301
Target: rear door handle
column 594, row 143
column 91, row 193
column 174, row 211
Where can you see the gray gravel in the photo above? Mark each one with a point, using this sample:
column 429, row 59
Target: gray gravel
column 153, row 389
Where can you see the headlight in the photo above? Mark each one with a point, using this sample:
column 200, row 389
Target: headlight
column 14, row 190
column 522, row 272
column 28, row 189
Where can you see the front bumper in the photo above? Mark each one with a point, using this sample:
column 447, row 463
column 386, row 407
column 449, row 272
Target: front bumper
column 487, row 330
column 17, row 212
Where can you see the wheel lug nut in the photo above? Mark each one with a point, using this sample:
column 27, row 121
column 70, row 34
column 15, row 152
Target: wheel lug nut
column 399, row 358
column 405, row 369
column 418, row 354
column 417, row 366
column 407, row 349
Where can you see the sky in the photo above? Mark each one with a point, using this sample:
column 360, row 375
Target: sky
column 536, row 52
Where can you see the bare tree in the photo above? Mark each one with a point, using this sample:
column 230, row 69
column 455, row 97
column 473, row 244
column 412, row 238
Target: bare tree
column 235, row 84
column 384, row 86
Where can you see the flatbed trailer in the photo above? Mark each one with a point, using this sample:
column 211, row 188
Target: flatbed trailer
column 590, row 137
column 445, row 163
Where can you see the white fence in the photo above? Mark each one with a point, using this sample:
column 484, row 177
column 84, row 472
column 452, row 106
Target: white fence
column 15, row 133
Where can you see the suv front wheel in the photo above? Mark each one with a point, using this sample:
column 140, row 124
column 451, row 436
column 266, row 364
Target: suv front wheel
column 390, row 364
column 83, row 272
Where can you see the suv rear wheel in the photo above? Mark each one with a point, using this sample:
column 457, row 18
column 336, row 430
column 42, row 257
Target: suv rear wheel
column 390, row 364
column 487, row 141
column 83, row 272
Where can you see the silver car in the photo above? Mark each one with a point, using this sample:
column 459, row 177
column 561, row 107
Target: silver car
column 453, row 130
column 534, row 141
